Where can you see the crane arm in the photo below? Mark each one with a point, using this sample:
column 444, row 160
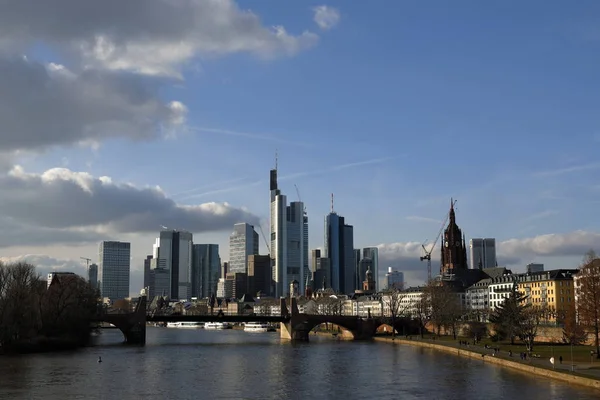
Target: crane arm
column 264, row 238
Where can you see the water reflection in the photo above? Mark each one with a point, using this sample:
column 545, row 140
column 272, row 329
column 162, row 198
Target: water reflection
column 186, row 364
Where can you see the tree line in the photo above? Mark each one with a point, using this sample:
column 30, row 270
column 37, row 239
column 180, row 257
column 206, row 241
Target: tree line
column 35, row 317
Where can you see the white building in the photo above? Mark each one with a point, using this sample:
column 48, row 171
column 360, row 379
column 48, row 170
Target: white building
column 483, row 253
column 113, row 269
column 500, row 289
column 278, row 229
column 243, row 242
column 477, row 299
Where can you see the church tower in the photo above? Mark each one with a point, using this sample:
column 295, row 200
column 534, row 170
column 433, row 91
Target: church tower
column 454, row 249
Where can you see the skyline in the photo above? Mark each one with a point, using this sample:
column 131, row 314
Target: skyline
column 394, row 111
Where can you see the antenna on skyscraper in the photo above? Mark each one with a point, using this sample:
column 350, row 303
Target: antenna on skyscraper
column 276, row 159
column 332, row 203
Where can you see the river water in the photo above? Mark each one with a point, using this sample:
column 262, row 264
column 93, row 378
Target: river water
column 199, row 364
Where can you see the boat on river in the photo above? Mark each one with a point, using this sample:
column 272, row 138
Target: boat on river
column 188, row 325
column 258, row 327
column 218, row 325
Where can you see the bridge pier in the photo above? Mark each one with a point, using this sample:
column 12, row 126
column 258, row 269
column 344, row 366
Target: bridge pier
column 294, row 329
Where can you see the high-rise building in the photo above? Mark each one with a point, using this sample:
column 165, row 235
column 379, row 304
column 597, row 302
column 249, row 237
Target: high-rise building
column 113, row 269
column 147, row 270
column 533, row 268
column 373, row 254
column 243, row 242
column 206, row 270
column 297, row 248
column 483, row 253
column 175, row 253
column 394, row 279
column 93, row 275
column 339, row 248
column 259, row 275
column 278, row 229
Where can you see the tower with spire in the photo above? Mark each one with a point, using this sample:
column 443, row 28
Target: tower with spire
column 454, row 249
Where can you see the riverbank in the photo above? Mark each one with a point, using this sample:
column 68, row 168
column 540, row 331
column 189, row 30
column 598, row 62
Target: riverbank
column 584, row 375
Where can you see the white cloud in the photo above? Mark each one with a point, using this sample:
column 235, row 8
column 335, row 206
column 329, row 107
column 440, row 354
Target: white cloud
column 151, row 38
column 47, row 105
column 511, row 252
column 69, row 206
column 326, row 17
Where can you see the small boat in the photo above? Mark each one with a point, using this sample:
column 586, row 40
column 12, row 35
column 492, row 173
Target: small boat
column 257, row 327
column 188, row 325
column 218, row 325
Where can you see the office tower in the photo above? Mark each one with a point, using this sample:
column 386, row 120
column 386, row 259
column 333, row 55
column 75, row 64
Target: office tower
column 93, row 275
column 206, row 270
column 297, row 248
column 278, row 228
column 175, row 254
column 147, row 270
column 372, row 253
column 259, row 275
column 239, row 283
column 394, row 279
column 357, row 275
column 483, row 253
column 339, row 248
column 321, row 269
column 113, row 269
column 242, row 243
column 533, row 268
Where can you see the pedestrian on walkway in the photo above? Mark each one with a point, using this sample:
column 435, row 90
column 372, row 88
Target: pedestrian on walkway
column 560, row 359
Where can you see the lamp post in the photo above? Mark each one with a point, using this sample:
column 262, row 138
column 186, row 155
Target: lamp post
column 572, row 365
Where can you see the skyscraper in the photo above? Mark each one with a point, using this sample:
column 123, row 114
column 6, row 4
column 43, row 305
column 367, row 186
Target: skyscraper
column 278, row 225
column 339, row 248
column 483, row 253
column 243, row 242
column 394, row 279
column 113, row 269
column 373, row 254
column 175, row 253
column 297, row 248
column 206, row 270
column 93, row 275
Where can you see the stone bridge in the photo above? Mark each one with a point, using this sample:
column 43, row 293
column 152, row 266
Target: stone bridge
column 293, row 325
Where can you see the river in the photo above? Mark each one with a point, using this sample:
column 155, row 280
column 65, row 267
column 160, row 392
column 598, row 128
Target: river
column 199, row 364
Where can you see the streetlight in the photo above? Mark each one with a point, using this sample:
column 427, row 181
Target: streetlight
column 572, row 365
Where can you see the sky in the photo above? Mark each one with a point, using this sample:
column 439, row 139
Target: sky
column 119, row 117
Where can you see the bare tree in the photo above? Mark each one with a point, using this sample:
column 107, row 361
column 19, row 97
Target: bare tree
column 573, row 332
column 395, row 306
column 420, row 311
column 588, row 296
column 530, row 321
column 446, row 307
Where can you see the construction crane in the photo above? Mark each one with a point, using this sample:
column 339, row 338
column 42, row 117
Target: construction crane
column 264, row 238
column 427, row 255
column 87, row 261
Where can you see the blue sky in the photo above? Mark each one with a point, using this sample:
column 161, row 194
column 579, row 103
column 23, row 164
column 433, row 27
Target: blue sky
column 396, row 108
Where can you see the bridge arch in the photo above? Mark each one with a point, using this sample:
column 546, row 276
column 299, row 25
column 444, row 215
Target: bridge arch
column 132, row 325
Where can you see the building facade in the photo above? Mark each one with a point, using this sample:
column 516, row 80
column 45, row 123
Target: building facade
column 278, row 228
column 259, row 275
column 339, row 249
column 243, row 242
column 297, row 248
column 482, row 253
column 552, row 291
column 206, row 270
column 114, row 269
column 372, row 253
column 93, row 275
column 394, row 279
